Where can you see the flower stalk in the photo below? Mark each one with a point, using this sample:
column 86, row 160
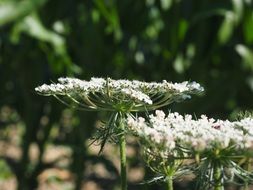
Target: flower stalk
column 122, row 146
column 169, row 170
column 248, row 168
column 218, row 179
column 246, row 186
column 169, row 180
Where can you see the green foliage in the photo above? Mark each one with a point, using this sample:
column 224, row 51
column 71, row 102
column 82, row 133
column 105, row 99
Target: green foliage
column 12, row 10
column 208, row 41
column 5, row 170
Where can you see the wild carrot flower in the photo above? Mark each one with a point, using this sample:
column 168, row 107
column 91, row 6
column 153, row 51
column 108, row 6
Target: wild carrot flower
column 195, row 134
column 218, row 144
column 120, row 95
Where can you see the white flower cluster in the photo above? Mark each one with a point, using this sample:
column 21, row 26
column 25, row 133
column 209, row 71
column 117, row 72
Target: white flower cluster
column 137, row 95
column 174, row 130
column 101, row 92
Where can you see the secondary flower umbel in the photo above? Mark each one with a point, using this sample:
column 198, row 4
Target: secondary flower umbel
column 119, row 95
column 175, row 130
column 217, row 146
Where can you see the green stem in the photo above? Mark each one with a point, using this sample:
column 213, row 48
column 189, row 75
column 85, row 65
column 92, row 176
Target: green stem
column 169, row 183
column 217, row 175
column 246, row 186
column 246, row 183
column 169, row 170
column 122, row 144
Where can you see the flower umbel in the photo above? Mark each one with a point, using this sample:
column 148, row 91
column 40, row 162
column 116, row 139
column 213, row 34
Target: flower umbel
column 219, row 145
column 122, row 95
column 198, row 135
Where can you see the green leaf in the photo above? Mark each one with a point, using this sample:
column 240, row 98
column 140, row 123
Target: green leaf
column 110, row 14
column 179, row 64
column 246, row 55
column 248, row 26
column 32, row 26
column 5, row 170
column 183, row 26
column 59, row 58
column 166, row 4
column 11, row 10
column 227, row 27
column 238, row 9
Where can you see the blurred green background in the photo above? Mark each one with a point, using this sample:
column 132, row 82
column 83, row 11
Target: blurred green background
column 208, row 41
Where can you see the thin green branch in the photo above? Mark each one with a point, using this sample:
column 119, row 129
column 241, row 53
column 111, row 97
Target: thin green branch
column 217, row 176
column 122, row 144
